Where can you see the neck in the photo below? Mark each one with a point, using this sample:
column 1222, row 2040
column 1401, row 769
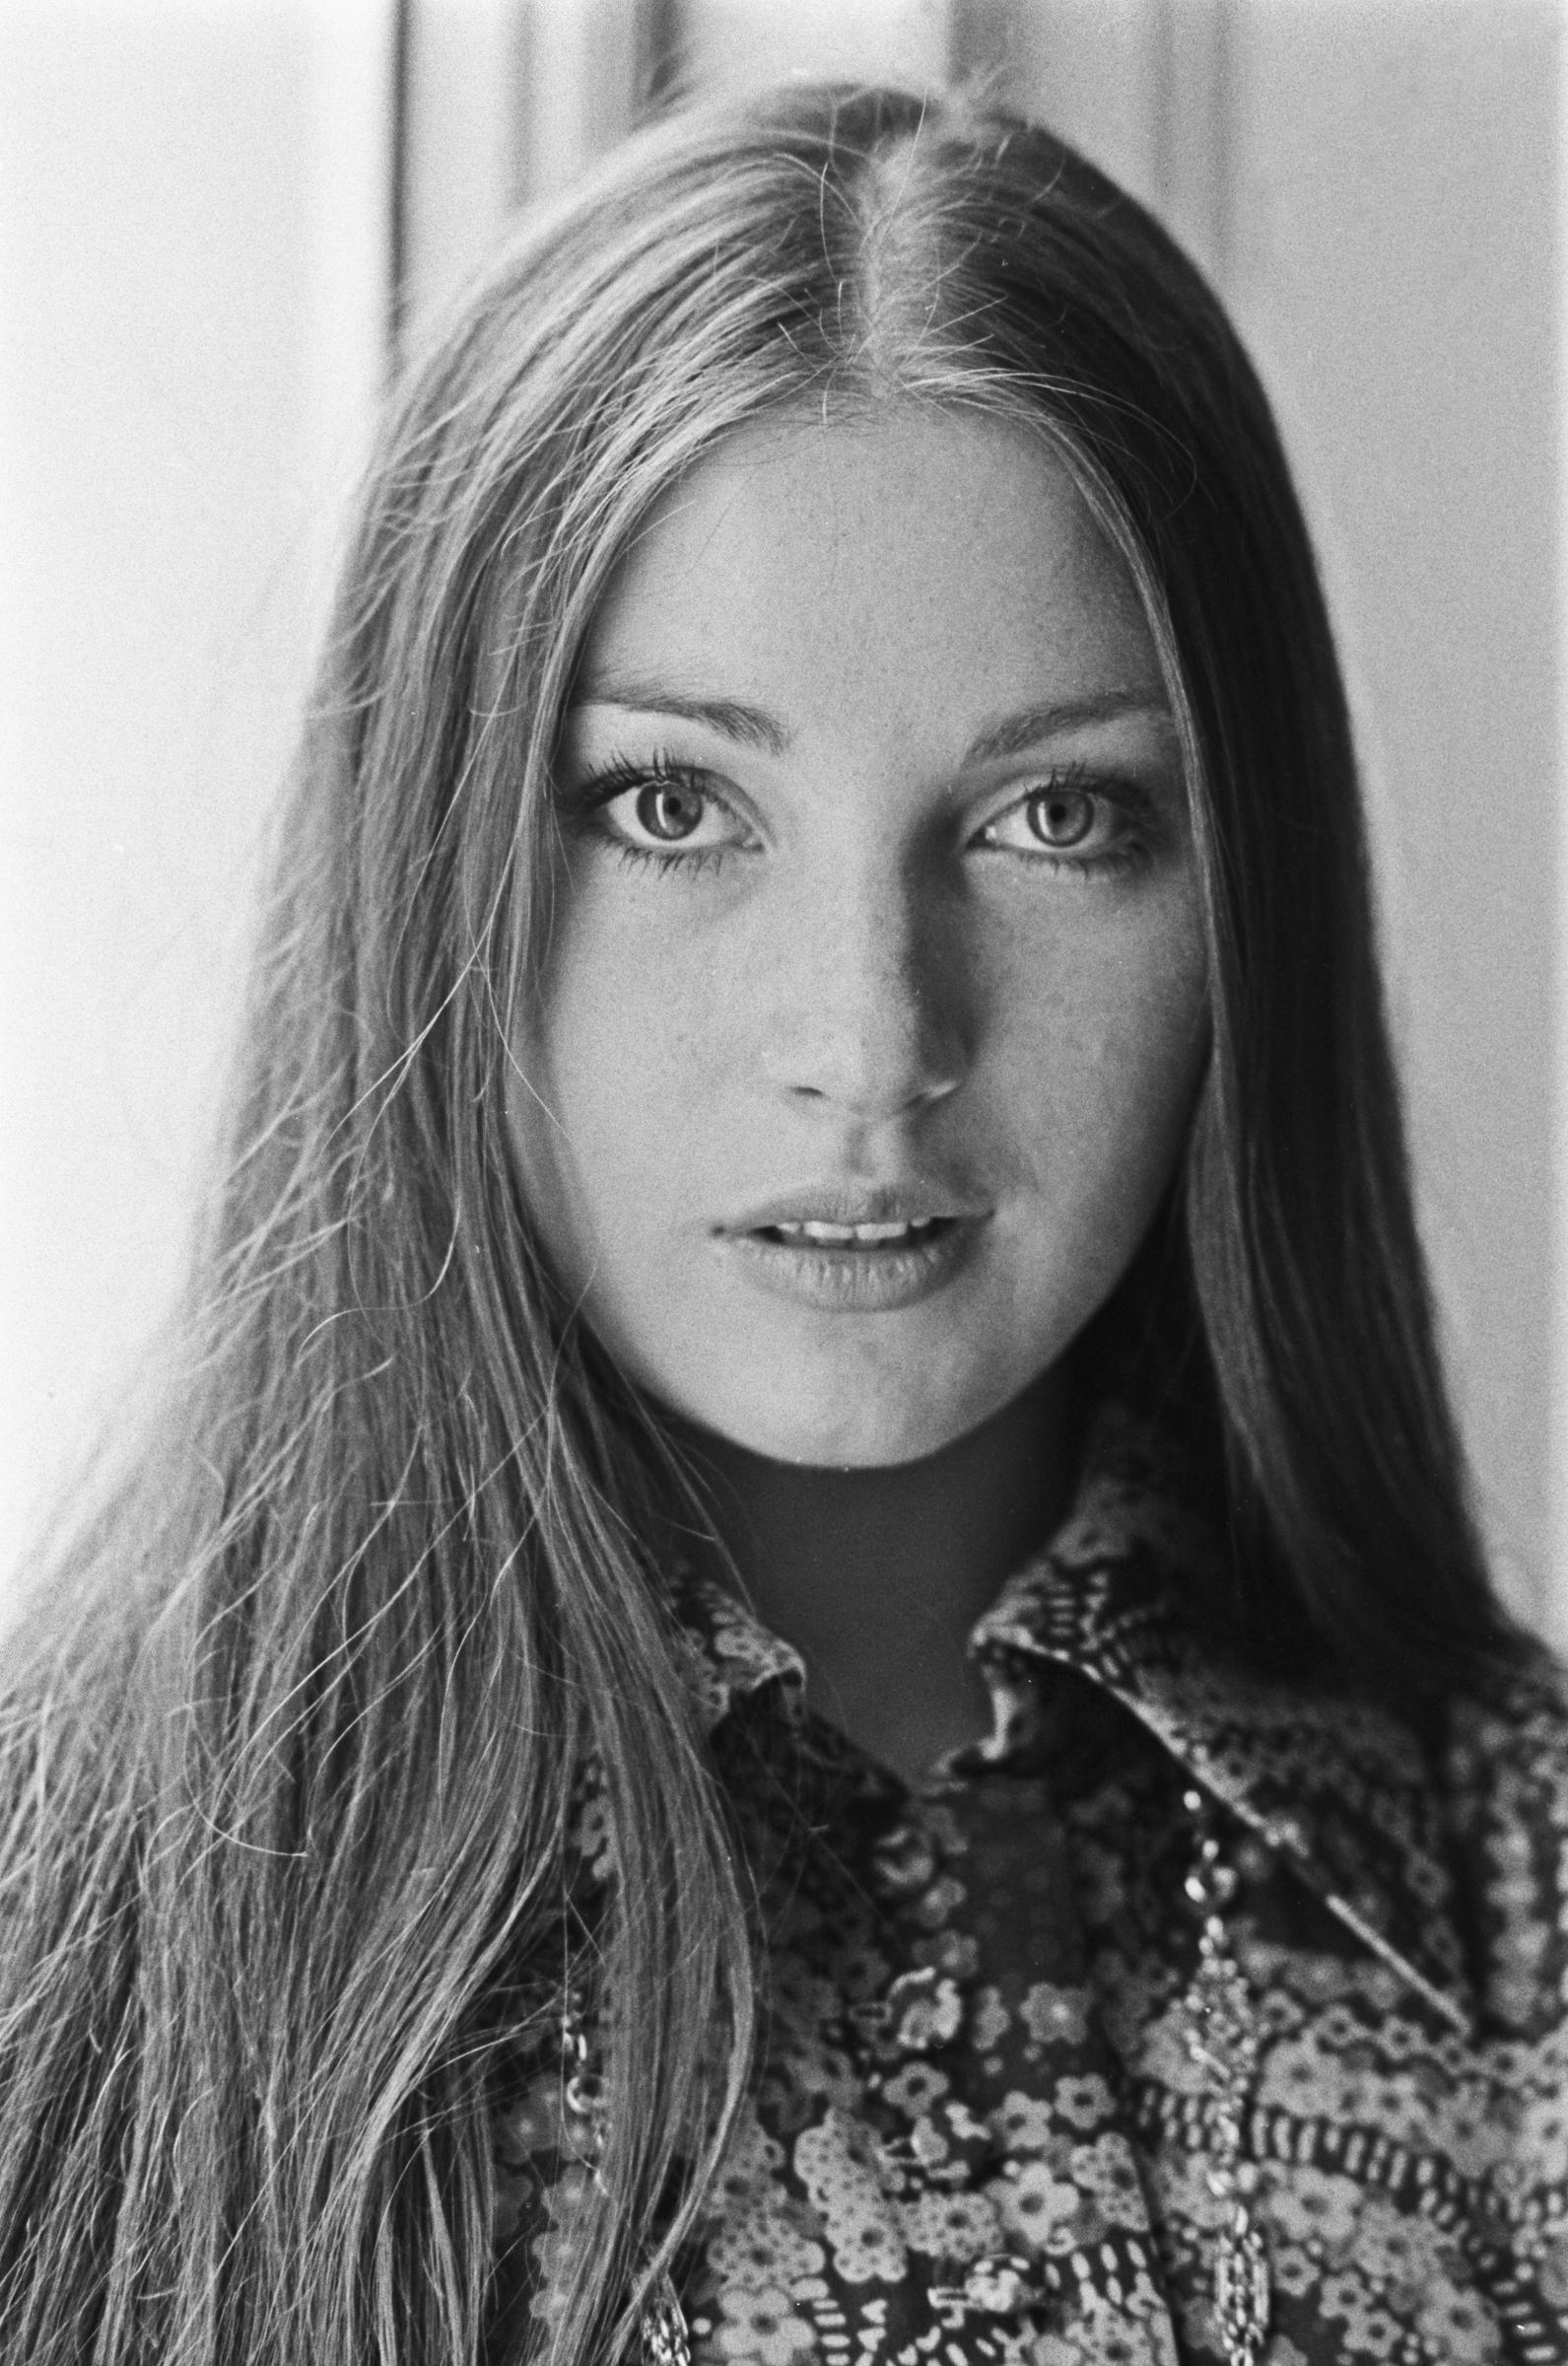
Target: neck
column 876, row 1576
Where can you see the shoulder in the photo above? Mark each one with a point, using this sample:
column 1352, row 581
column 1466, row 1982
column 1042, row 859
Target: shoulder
column 1503, row 1771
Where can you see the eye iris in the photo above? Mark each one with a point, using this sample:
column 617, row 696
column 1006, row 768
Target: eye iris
column 1061, row 817
column 666, row 810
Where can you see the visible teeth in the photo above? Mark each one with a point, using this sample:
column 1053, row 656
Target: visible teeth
column 842, row 1236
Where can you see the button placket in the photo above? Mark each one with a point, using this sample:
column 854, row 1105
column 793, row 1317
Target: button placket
column 923, row 2012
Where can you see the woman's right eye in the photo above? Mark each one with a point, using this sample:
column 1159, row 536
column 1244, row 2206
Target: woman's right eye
column 665, row 813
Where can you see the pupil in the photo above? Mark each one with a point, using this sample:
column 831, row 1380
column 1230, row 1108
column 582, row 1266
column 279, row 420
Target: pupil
column 669, row 812
column 1061, row 816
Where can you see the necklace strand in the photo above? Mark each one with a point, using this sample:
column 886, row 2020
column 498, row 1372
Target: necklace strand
column 662, row 2336
column 1222, row 2041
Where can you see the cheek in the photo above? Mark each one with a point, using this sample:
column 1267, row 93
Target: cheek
column 1107, row 1057
column 607, row 1074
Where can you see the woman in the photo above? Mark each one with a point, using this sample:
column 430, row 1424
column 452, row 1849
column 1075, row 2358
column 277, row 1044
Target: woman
column 797, row 1671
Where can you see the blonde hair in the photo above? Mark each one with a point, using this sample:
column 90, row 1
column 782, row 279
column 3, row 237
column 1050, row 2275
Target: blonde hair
column 291, row 1743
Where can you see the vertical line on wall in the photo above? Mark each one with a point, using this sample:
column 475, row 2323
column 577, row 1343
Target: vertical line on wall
column 397, row 190
column 660, row 50
column 1553, row 1602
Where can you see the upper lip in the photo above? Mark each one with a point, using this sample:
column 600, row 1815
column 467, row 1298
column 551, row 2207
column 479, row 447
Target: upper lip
column 857, row 1204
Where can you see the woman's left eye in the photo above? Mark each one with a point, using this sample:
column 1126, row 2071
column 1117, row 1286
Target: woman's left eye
column 1075, row 821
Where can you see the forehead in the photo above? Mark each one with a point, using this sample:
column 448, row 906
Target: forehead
column 899, row 563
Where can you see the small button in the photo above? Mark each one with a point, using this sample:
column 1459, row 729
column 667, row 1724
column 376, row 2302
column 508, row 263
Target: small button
column 999, row 2285
column 924, row 2010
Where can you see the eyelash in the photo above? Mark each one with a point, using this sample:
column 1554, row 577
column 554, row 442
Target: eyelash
column 661, row 771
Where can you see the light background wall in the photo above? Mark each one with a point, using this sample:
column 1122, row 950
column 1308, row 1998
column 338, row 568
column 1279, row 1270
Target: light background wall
column 196, row 235
column 1393, row 253
column 192, row 273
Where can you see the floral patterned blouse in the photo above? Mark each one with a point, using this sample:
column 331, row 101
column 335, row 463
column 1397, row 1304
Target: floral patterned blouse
column 1188, row 2018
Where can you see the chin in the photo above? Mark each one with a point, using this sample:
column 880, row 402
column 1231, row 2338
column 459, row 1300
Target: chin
column 872, row 1439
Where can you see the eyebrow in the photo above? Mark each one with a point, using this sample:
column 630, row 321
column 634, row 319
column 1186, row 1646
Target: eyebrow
column 753, row 726
column 1016, row 733
column 749, row 726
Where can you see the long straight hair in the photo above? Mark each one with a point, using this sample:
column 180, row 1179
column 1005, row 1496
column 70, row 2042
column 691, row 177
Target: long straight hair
column 294, row 1730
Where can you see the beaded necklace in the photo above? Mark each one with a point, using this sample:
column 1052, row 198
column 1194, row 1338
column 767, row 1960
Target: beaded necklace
column 1222, row 2041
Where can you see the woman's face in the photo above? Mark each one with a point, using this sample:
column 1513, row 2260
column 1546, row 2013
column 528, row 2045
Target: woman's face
column 874, row 1007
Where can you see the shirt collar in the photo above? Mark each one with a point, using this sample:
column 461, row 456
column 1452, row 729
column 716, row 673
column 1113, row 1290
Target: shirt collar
column 1336, row 1787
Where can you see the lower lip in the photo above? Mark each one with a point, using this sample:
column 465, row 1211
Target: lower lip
column 851, row 1281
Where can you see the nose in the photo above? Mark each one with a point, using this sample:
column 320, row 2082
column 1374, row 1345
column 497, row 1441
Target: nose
column 865, row 1014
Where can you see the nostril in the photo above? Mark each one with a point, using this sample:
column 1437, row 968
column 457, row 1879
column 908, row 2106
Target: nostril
column 865, row 1100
